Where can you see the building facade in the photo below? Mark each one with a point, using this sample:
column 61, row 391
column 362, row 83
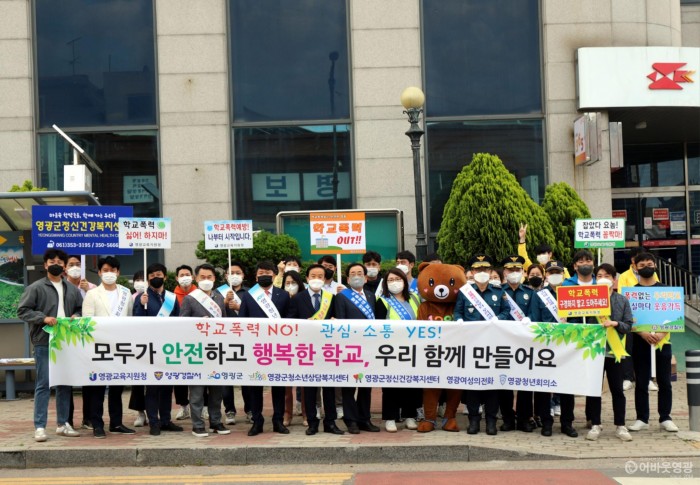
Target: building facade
column 239, row 109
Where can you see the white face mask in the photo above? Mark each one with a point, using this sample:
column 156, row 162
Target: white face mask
column 403, row 268
column 395, row 287
column 555, row 279
column 605, row 281
column 185, row 280
column 470, row 281
column 292, row 288
column 108, row 278
column 372, row 272
column 543, row 258
column 495, row 282
column 74, row 272
column 315, row 284
column 140, row 286
column 514, row 278
column 482, row 277
column 291, row 268
column 235, row 279
column 205, row 285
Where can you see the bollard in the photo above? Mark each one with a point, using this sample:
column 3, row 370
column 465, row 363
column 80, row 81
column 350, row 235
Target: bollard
column 692, row 374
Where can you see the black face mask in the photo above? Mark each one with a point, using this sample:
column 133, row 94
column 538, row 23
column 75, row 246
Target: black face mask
column 156, row 282
column 55, row 269
column 265, row 280
column 535, row 281
column 646, row 272
column 328, row 273
column 585, row 270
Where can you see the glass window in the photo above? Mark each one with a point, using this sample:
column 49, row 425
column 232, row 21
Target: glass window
column 289, row 60
column 482, row 57
column 291, row 168
column 693, row 163
column 129, row 163
column 451, row 145
column 655, row 165
column 96, row 62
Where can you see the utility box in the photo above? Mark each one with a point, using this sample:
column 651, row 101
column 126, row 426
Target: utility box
column 77, row 178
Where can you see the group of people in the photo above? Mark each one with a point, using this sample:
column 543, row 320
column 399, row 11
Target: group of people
column 282, row 291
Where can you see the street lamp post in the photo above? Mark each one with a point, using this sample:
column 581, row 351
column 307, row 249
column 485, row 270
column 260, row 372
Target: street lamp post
column 412, row 99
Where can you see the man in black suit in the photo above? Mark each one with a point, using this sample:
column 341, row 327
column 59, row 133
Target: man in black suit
column 356, row 303
column 316, row 304
column 265, row 301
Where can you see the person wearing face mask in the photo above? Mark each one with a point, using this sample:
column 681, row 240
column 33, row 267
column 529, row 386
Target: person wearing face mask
column 356, row 303
column 155, row 301
column 481, row 302
column 330, row 265
column 74, row 274
column 621, row 320
column 203, row 302
column 496, row 278
column 184, row 275
column 265, row 301
column 41, row 304
column 290, row 263
column 544, row 309
column 543, row 252
column 519, row 298
column 291, row 283
column 405, row 261
column 373, row 262
column 139, row 284
column 583, row 272
column 397, row 303
column 535, row 277
column 107, row 300
column 315, row 303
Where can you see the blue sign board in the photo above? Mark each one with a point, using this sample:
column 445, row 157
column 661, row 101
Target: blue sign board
column 657, row 308
column 89, row 229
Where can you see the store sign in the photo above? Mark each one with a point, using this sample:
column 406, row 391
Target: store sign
column 293, row 187
column 599, row 233
column 610, row 77
column 660, row 214
column 620, row 214
column 677, row 222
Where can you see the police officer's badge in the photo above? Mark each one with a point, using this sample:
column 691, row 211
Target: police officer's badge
column 495, row 298
column 526, row 297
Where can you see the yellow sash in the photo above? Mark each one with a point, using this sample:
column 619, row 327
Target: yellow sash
column 326, row 298
column 617, row 345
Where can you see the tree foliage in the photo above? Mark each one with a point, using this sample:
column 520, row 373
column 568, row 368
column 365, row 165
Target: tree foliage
column 485, row 210
column 266, row 246
column 563, row 206
column 27, row 186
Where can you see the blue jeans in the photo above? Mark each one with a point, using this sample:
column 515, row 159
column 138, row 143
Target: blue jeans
column 42, row 392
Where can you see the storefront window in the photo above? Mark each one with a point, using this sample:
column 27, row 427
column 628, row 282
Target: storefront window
column 659, row 165
column 693, row 163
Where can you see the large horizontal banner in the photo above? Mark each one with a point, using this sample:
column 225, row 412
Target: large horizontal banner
column 562, row 358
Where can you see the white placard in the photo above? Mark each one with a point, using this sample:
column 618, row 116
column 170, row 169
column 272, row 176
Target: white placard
column 144, row 233
column 228, row 234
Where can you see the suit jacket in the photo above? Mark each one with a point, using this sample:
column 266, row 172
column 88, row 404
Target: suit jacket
column 155, row 301
column 97, row 304
column 192, row 308
column 251, row 309
column 344, row 308
column 301, row 306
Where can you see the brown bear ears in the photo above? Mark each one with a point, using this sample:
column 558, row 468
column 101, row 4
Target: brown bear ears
column 425, row 264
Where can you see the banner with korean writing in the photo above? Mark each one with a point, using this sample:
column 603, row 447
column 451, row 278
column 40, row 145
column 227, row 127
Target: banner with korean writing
column 228, row 234
column 144, row 233
column 90, row 229
column 337, row 232
column 559, row 358
column 599, row 233
column 583, row 301
column 657, row 308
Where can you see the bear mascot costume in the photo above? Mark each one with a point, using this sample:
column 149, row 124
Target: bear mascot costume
column 438, row 286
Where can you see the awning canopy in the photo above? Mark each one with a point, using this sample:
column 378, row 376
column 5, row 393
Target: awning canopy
column 16, row 207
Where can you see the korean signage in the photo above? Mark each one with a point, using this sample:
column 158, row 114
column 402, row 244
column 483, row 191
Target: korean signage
column 337, row 232
column 599, row 233
column 677, row 224
column 228, row 234
column 144, row 233
column 657, row 308
column 338, row 353
column 294, row 187
column 583, row 301
column 134, row 191
column 90, row 229
column 11, row 273
column 580, row 140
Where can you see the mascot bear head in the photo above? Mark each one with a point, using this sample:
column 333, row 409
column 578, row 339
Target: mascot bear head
column 438, row 286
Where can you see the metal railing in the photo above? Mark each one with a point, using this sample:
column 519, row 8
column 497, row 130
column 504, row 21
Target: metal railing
column 673, row 275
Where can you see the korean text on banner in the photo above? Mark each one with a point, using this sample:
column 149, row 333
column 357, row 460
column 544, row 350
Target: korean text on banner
column 91, row 229
column 228, row 234
column 599, row 233
column 337, row 232
column 339, row 353
column 583, row 301
column 657, row 308
column 144, row 233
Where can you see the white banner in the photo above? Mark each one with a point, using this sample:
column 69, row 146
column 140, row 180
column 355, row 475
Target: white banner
column 340, row 353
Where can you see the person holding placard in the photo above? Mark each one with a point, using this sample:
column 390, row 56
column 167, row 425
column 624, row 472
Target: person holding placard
column 74, row 275
column 644, row 342
column 184, row 287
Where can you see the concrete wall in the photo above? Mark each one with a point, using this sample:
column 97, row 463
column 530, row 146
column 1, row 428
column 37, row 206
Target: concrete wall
column 690, row 25
column 17, row 147
column 195, row 135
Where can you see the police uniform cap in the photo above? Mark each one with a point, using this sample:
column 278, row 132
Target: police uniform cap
column 554, row 264
column 513, row 261
column 480, row 261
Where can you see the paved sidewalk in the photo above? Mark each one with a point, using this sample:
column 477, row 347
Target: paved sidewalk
column 19, row 450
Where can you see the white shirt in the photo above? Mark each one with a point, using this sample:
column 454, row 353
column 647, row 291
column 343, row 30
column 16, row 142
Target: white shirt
column 332, row 287
column 59, row 288
column 113, row 297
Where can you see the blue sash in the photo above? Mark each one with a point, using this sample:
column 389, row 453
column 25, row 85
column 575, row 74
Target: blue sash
column 398, row 308
column 359, row 302
column 168, row 304
column 413, row 287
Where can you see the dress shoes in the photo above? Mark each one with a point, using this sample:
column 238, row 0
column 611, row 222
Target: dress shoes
column 546, row 430
column 171, row 427
column 508, row 426
column 569, row 431
column 311, row 430
column 368, row 426
column 491, row 428
column 332, row 429
column 474, row 426
column 279, row 427
column 353, row 428
column 525, row 426
column 255, row 430
column 121, row 429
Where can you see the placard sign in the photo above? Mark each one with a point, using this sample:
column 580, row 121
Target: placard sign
column 337, row 232
column 228, row 234
column 657, row 308
column 144, row 233
column 583, row 301
column 90, row 229
column 599, row 233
